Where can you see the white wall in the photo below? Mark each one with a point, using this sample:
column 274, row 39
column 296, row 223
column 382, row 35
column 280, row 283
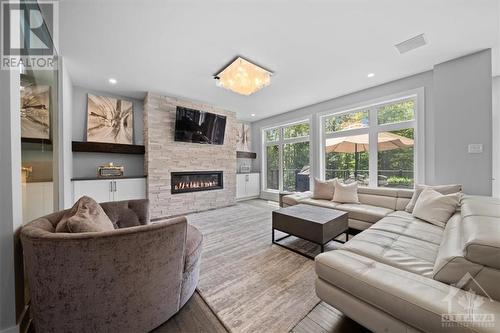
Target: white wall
column 85, row 164
column 462, row 116
column 10, row 194
column 436, row 120
column 496, row 136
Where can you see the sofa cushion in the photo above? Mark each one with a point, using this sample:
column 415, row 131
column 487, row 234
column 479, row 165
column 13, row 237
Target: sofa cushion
column 481, row 230
column 412, row 299
column 294, row 199
column 320, row 202
column 346, row 193
column 443, row 189
column 408, row 253
column 407, row 225
column 86, row 215
column 451, row 265
column 363, row 212
column 435, row 207
column 323, row 189
column 378, row 200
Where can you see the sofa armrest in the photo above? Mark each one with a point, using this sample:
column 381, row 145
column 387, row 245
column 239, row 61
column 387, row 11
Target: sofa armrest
column 129, row 276
column 419, row 301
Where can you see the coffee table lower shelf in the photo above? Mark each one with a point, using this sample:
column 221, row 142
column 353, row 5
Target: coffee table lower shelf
column 322, row 246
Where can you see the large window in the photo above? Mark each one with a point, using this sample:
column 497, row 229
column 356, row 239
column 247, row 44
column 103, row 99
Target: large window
column 372, row 145
column 287, row 154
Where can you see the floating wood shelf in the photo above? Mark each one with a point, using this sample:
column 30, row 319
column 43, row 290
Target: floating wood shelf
column 246, row 154
column 113, row 148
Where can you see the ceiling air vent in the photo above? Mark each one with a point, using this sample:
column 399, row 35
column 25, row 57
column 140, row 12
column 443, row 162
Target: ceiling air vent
column 411, row 44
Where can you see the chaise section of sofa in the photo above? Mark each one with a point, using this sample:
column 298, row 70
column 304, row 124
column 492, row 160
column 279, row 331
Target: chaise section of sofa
column 405, row 275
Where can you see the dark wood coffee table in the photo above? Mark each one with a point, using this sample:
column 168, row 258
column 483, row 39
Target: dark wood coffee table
column 315, row 224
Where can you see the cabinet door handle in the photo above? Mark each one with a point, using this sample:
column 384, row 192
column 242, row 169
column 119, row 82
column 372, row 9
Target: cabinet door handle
column 111, row 186
column 115, row 184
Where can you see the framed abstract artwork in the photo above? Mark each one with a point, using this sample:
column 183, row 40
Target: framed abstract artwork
column 109, row 120
column 243, row 137
column 35, row 112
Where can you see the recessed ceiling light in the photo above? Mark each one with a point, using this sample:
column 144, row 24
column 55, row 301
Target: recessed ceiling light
column 253, row 114
column 371, row 75
column 243, row 77
column 112, row 81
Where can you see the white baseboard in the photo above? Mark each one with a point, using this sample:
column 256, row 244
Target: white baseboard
column 13, row 329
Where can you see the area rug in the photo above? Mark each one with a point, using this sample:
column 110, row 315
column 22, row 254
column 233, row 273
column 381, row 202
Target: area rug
column 251, row 285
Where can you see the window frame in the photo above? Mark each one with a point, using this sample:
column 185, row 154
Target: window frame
column 373, row 129
column 280, row 143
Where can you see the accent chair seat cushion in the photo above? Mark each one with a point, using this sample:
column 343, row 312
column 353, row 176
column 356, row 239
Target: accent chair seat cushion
column 192, row 262
column 192, row 251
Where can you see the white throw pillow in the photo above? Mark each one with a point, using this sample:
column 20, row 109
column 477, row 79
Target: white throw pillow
column 443, row 189
column 436, row 208
column 323, row 189
column 346, row 193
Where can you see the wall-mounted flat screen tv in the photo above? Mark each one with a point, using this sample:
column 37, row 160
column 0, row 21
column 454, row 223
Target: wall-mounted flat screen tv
column 199, row 126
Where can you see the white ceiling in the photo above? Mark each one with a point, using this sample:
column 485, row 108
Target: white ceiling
column 317, row 49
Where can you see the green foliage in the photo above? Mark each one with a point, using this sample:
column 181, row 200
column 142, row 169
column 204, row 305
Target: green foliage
column 295, row 157
column 345, row 121
column 394, row 180
column 393, row 113
column 272, row 134
column 296, row 131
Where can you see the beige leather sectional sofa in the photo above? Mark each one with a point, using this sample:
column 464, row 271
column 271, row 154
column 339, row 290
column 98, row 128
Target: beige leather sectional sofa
column 403, row 274
column 375, row 203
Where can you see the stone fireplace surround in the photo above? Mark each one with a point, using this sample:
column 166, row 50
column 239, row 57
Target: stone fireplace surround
column 164, row 156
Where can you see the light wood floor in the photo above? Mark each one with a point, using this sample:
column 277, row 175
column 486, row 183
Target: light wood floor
column 196, row 315
column 326, row 319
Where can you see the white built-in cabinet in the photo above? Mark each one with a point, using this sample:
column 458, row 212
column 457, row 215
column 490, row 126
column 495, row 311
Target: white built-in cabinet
column 247, row 185
column 103, row 190
column 37, row 199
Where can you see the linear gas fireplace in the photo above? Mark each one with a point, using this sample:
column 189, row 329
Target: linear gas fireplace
column 193, row 181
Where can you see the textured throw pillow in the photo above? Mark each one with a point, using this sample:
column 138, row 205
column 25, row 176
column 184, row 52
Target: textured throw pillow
column 323, row 189
column 346, row 193
column 443, row 189
column 436, row 208
column 86, row 215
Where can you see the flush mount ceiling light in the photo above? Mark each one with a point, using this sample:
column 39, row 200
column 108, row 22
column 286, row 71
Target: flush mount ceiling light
column 370, row 75
column 243, row 77
column 112, row 81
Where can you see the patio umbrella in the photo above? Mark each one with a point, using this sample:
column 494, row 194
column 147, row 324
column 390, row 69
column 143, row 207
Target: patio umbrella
column 359, row 143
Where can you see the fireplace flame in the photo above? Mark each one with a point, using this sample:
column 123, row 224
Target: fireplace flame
column 195, row 184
